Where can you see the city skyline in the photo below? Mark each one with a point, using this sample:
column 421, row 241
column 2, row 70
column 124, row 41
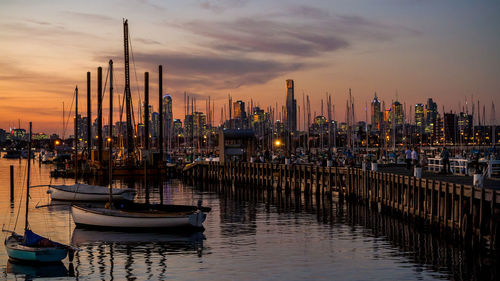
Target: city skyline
column 419, row 49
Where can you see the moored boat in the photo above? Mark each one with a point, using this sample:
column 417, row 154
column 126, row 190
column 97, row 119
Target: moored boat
column 31, row 247
column 140, row 216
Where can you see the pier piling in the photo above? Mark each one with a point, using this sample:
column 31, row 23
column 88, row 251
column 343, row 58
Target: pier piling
column 12, row 185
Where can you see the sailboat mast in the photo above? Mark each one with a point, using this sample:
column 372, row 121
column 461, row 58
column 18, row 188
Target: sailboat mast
column 76, row 134
column 128, row 97
column 28, row 181
column 110, row 134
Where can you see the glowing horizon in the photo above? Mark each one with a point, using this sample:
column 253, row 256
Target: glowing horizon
column 447, row 51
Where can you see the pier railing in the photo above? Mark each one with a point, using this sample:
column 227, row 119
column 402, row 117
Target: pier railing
column 465, row 212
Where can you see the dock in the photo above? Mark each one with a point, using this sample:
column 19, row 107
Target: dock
column 451, row 207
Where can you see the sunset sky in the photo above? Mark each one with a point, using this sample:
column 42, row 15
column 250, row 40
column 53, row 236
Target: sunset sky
column 447, row 50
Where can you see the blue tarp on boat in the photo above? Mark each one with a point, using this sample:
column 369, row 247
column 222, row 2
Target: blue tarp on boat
column 31, row 239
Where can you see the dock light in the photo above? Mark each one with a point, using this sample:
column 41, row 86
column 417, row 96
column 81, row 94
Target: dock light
column 108, row 139
column 57, row 142
column 277, row 143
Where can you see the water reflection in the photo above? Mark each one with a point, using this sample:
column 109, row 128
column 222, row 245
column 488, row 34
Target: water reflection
column 421, row 248
column 30, row 271
column 131, row 254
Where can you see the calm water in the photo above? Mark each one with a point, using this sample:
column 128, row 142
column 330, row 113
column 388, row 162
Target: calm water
column 250, row 235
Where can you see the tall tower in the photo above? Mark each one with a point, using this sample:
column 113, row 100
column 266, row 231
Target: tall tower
column 291, row 107
column 167, row 119
column 376, row 114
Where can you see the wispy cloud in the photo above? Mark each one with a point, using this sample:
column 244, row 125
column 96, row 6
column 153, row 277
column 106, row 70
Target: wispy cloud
column 219, row 6
column 211, row 71
column 88, row 16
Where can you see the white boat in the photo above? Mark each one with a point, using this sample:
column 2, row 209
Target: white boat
column 86, row 192
column 140, row 216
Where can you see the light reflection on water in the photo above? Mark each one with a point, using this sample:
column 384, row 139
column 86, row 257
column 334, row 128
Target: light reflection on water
column 250, row 235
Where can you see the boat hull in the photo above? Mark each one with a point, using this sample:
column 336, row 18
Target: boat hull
column 83, row 192
column 22, row 253
column 112, row 218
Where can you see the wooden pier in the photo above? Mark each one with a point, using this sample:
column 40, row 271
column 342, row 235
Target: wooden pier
column 464, row 212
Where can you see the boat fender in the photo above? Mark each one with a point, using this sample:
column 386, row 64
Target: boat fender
column 49, row 191
column 199, row 204
column 107, row 206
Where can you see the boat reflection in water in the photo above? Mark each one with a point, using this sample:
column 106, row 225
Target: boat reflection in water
column 128, row 255
column 30, row 270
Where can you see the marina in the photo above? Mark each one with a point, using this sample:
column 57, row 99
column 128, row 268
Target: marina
column 246, row 140
column 265, row 233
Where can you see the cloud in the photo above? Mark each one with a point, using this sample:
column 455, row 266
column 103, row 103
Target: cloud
column 211, row 71
column 281, row 33
column 219, row 6
column 87, row 16
column 147, row 41
column 266, row 36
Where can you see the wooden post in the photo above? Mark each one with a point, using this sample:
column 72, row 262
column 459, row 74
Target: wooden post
column 12, row 185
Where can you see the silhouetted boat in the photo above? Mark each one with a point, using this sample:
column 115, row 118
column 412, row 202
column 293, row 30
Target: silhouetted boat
column 12, row 154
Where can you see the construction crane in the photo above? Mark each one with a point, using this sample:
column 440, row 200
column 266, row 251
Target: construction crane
column 128, row 98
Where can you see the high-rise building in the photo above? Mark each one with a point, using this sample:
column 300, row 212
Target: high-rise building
column 397, row 112
column 419, row 117
column 431, row 114
column 291, row 107
column 450, row 128
column 239, row 110
column 464, row 126
column 155, row 124
column 167, row 117
column 376, row 114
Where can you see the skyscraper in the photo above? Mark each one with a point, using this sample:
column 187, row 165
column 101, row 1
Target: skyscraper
column 431, row 115
column 239, row 110
column 376, row 114
column 419, row 117
column 167, row 118
column 291, row 107
column 397, row 112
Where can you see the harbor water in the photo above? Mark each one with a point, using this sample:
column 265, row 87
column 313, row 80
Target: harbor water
column 251, row 234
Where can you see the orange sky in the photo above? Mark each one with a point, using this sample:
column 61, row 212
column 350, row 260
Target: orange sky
column 419, row 49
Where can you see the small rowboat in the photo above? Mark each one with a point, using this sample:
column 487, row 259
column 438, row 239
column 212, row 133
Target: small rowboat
column 31, row 247
column 86, row 192
column 34, row 248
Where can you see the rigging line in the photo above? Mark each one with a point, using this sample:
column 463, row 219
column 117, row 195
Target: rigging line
column 69, row 114
column 104, row 90
column 136, row 84
column 21, row 197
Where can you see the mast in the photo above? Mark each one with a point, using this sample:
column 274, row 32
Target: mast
column 89, row 118
column 160, row 111
column 146, row 110
column 110, row 134
column 99, row 114
column 76, row 134
column 128, row 97
column 26, row 225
